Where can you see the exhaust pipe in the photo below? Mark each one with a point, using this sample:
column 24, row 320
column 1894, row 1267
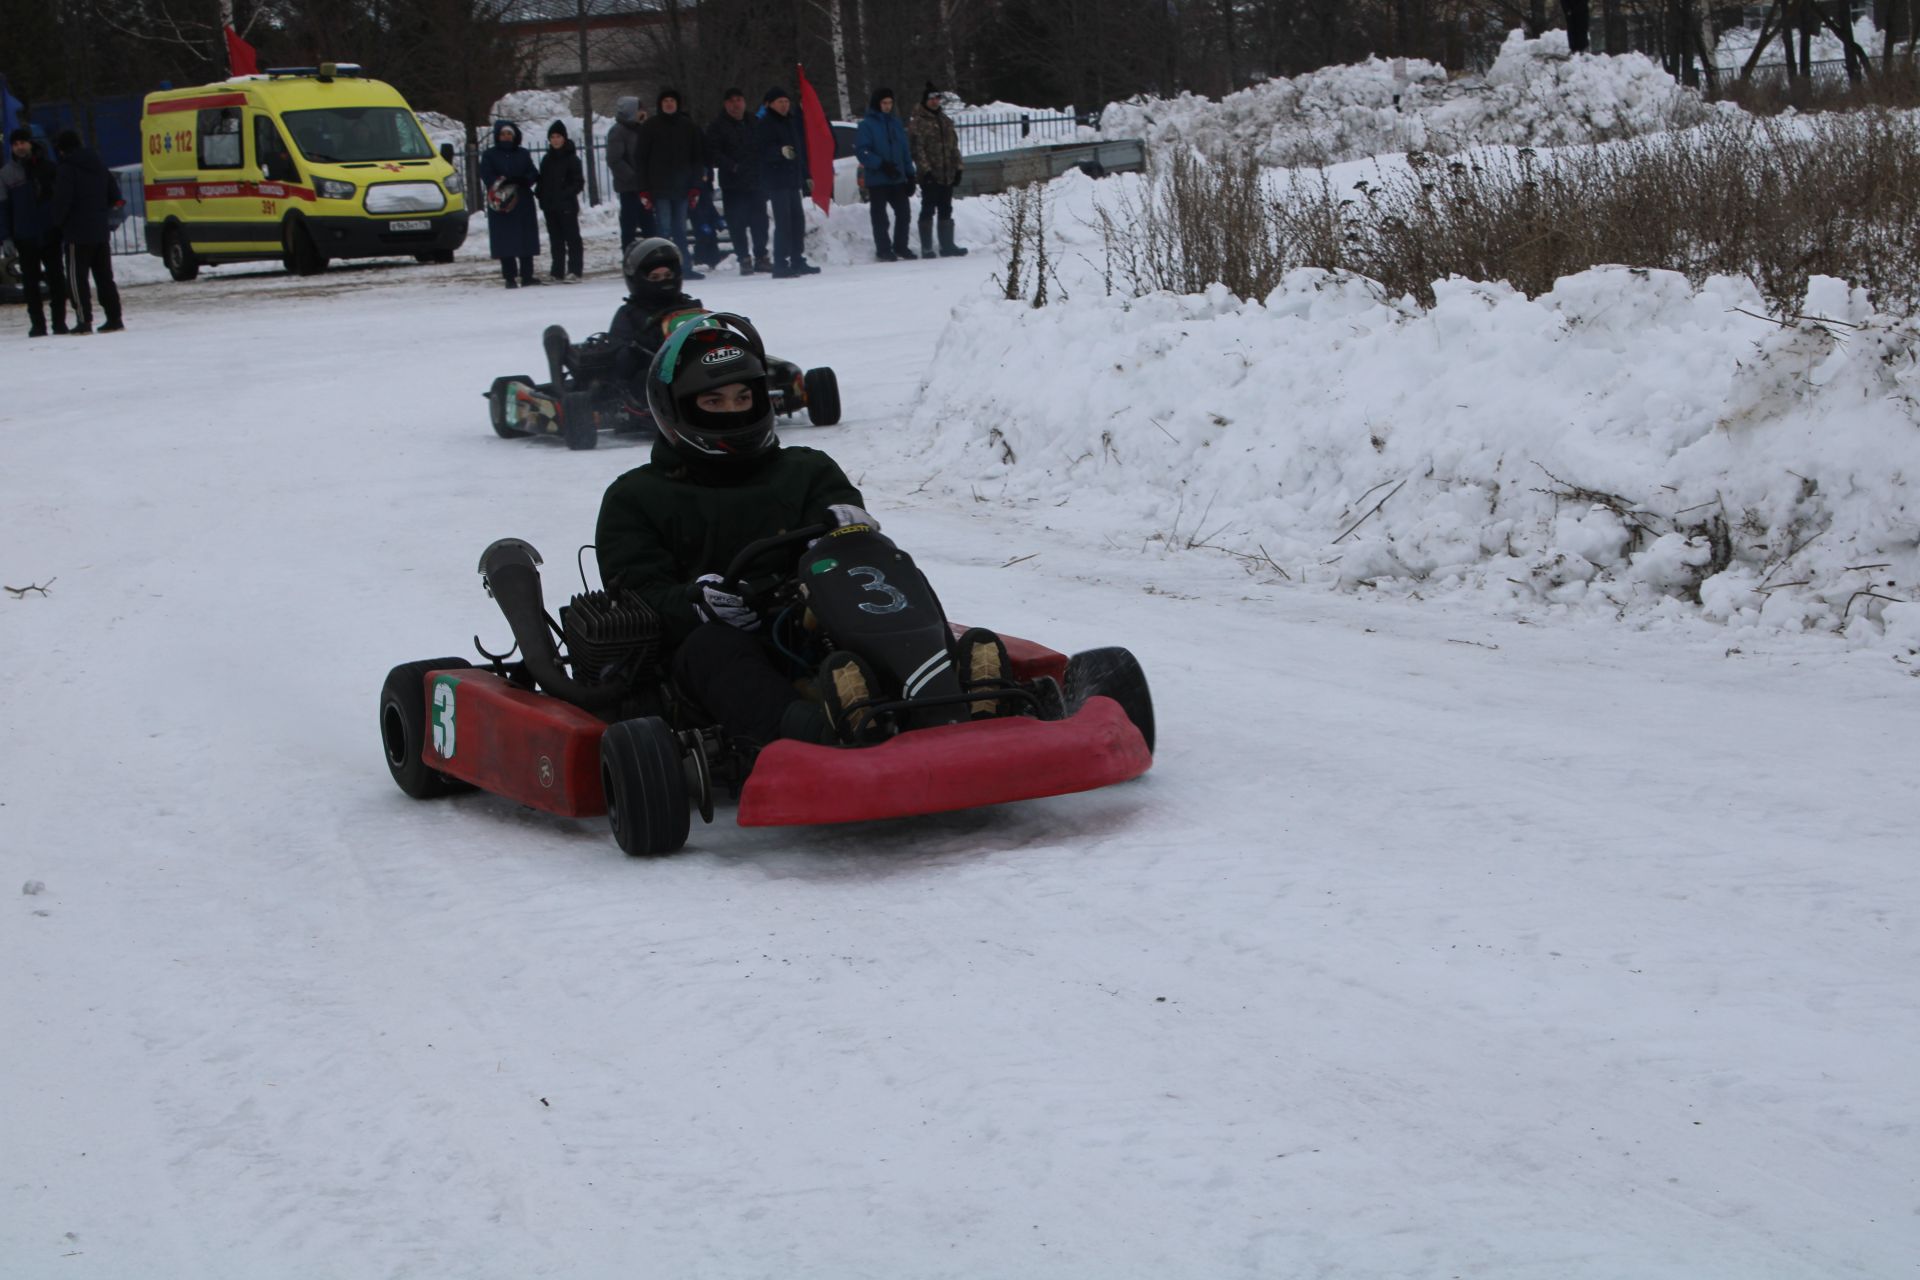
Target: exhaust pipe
column 510, row 567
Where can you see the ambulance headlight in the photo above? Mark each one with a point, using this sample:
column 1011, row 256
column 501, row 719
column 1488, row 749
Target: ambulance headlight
column 333, row 189
column 455, row 183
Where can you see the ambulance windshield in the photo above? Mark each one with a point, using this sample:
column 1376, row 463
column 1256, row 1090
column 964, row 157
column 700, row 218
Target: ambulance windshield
column 346, row 135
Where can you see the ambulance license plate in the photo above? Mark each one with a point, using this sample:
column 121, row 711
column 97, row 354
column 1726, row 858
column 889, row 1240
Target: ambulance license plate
column 411, row 224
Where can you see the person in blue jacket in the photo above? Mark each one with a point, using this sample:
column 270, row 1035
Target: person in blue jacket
column 887, row 159
column 26, row 197
column 510, row 179
column 783, row 175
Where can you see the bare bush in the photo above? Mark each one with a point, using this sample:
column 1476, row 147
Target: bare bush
column 1774, row 200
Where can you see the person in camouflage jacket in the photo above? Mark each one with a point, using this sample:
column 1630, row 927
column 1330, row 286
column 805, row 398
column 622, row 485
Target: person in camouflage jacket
column 936, row 158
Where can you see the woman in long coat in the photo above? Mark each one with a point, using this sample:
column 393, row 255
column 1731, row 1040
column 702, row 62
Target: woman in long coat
column 508, row 177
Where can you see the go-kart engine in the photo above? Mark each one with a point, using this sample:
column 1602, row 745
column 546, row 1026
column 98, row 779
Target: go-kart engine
column 610, row 635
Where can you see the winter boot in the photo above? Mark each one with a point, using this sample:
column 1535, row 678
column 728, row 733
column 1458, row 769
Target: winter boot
column 926, row 237
column 948, row 249
column 847, row 689
column 901, row 248
column 763, row 265
column 982, row 659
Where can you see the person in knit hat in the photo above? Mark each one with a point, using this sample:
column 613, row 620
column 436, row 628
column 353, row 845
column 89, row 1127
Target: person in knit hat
column 672, row 160
column 887, row 161
column 936, row 154
column 783, row 174
column 562, row 179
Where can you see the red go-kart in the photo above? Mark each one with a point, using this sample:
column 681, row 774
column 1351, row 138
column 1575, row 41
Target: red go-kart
column 587, row 721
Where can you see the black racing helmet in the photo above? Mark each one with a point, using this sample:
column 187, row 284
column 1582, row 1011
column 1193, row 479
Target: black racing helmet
column 704, row 355
column 645, row 256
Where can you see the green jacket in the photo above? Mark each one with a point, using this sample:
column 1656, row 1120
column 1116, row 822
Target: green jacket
column 666, row 523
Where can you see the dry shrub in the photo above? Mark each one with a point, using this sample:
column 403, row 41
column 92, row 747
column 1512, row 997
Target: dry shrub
column 1773, row 200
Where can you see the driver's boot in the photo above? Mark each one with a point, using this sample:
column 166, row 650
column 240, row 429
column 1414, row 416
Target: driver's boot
column 982, row 659
column 847, row 686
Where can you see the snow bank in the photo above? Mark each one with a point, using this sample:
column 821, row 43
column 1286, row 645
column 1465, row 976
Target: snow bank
column 1536, row 94
column 1625, row 443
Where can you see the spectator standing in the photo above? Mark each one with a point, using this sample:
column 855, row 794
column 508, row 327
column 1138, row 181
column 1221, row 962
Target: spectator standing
column 887, row 159
column 562, row 179
column 936, row 154
column 623, row 158
column 783, row 172
column 84, row 195
column 735, row 155
column 26, row 221
column 672, row 158
column 508, row 175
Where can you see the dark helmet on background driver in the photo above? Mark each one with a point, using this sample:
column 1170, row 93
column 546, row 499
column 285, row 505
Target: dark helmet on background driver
column 705, row 355
column 645, row 258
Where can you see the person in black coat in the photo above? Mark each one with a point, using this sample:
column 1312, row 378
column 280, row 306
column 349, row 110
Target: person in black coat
column 84, row 195
column 735, row 153
column 562, row 179
column 510, row 179
column 672, row 159
column 783, row 172
column 26, row 200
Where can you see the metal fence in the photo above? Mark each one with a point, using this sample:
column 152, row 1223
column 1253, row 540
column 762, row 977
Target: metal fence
column 1006, row 133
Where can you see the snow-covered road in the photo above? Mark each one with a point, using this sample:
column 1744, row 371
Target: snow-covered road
column 1433, row 945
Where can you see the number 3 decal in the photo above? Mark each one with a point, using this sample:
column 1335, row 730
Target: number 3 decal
column 878, row 584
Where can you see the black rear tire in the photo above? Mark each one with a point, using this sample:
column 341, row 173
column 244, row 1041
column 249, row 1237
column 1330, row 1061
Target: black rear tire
column 579, row 425
column 823, row 397
column 1112, row 673
column 437, row 257
column 646, row 784
column 497, row 406
column 183, row 263
column 404, row 730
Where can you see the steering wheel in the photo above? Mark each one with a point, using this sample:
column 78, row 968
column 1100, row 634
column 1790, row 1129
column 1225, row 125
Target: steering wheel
column 763, row 593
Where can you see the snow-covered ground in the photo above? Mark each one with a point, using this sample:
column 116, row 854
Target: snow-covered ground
column 1441, row 940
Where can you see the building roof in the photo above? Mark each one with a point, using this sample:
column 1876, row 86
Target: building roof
column 520, row 11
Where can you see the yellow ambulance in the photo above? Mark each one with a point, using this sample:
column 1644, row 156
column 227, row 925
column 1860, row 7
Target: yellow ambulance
column 301, row 164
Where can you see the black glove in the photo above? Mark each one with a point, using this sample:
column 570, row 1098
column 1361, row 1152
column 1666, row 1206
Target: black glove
column 891, row 169
column 715, row 604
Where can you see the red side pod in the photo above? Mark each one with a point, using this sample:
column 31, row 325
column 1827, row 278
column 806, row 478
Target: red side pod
column 540, row 751
column 958, row 766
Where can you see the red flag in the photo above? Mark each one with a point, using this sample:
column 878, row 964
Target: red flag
column 819, row 135
column 241, row 59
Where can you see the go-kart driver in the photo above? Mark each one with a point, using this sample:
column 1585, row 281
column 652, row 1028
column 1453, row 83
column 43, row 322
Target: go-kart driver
column 654, row 273
column 718, row 480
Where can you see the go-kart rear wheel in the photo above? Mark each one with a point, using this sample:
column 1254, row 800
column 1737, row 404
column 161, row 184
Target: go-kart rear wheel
column 646, row 784
column 1112, row 673
column 579, row 425
column 404, row 730
column 823, row 397
column 497, row 405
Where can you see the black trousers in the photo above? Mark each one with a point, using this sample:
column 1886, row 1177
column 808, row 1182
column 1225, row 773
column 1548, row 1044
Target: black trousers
column 40, row 259
column 516, row 269
column 789, row 228
column 894, row 197
column 95, row 260
column 935, row 199
column 747, row 220
column 563, row 233
column 738, row 678
column 636, row 220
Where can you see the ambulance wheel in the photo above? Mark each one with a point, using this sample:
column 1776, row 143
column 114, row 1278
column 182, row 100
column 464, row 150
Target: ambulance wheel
column 823, row 397
column 497, row 405
column 183, row 263
column 1113, row 673
column 646, row 785
column 439, row 256
column 405, row 731
column 302, row 255
column 579, row 425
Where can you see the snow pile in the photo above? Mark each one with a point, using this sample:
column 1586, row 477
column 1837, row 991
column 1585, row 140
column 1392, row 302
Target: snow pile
column 1536, row 94
column 1625, row 443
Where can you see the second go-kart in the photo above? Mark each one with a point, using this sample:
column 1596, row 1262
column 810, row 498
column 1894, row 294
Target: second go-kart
column 588, row 721
column 584, row 394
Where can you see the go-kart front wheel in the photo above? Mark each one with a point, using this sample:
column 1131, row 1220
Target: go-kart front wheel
column 1113, row 673
column 645, row 780
column 579, row 423
column 823, row 397
column 404, row 730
